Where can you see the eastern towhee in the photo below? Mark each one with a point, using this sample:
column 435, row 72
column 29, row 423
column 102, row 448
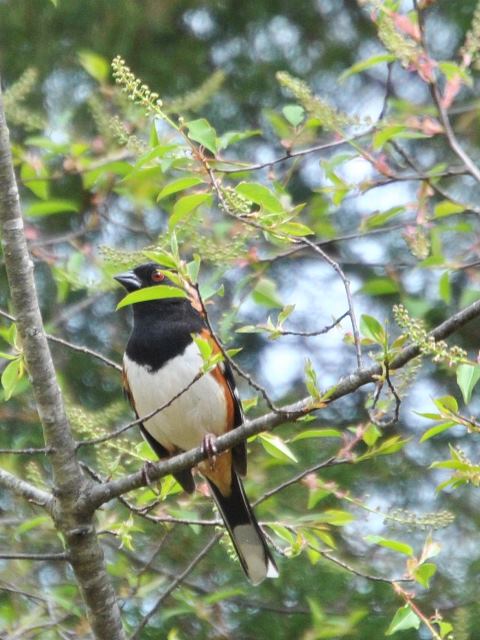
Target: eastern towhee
column 160, row 361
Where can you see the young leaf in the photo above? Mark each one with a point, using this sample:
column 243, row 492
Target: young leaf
column 447, row 208
column 95, row 65
column 277, row 448
column 317, row 433
column 266, row 294
column 48, row 207
column 434, row 431
column 294, row 229
column 467, row 377
column 366, row 64
column 394, row 545
column 35, row 179
column 294, row 113
column 185, row 206
column 202, row 131
column 259, row 194
column 371, row 328
column 404, row 618
column 178, row 185
column 11, row 375
column 158, row 292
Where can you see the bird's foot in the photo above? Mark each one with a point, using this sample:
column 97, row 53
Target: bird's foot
column 209, row 447
column 147, row 466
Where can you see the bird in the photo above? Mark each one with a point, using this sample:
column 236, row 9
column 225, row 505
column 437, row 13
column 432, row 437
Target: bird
column 160, row 362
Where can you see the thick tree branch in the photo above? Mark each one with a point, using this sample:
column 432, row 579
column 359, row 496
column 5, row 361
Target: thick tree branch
column 103, row 493
column 70, row 512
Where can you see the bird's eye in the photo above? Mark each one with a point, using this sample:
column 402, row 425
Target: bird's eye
column 158, row 276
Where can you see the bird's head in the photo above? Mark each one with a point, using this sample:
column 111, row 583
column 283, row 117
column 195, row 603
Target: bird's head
column 145, row 275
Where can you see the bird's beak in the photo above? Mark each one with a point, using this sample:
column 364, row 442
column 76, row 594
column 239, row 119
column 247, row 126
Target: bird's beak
column 129, row 280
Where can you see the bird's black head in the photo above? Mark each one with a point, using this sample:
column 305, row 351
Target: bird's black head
column 145, row 275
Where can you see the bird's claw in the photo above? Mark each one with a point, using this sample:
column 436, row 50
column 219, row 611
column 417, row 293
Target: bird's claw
column 209, row 447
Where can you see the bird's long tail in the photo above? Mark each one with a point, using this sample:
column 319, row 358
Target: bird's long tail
column 245, row 532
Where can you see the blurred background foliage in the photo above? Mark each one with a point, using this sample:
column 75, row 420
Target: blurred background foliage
column 88, row 213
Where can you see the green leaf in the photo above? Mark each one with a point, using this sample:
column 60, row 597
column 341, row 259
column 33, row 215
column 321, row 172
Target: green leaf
column 34, row 179
column 380, row 218
column 445, row 287
column 394, row 132
column 185, row 206
column 447, row 403
column 404, row 618
column 8, row 356
column 294, row 229
column 265, row 293
column 394, row 545
column 451, row 70
column 259, row 194
column 276, row 447
column 366, row 64
column 51, row 206
column 318, row 433
column 380, row 287
column 336, row 517
column 163, row 258
column 179, row 185
column 434, row 431
column 447, row 208
column 32, row 523
column 371, row 328
column 55, row 3
column 202, row 131
column 158, row 292
column 371, row 435
column 11, row 375
column 232, row 137
column 467, row 377
column 294, row 113
column 95, row 65
column 114, row 168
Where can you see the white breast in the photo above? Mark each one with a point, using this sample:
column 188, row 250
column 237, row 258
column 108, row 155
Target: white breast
column 198, row 411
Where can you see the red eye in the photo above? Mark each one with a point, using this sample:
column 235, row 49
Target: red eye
column 158, row 276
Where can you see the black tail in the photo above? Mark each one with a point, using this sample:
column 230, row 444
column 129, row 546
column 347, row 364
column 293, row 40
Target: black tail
column 245, row 532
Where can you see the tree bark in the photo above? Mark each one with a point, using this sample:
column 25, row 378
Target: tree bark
column 70, row 505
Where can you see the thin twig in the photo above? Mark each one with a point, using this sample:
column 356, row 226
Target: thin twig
column 35, row 556
column 18, row 592
column 310, row 334
column 175, row 583
column 346, row 285
column 356, row 572
column 28, row 451
column 70, row 345
column 407, row 598
column 292, row 154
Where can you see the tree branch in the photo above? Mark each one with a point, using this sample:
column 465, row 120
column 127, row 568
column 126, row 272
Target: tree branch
column 103, row 493
column 25, row 490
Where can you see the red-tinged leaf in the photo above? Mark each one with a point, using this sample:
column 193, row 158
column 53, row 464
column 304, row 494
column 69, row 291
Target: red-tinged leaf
column 405, row 25
column 452, row 87
column 425, row 67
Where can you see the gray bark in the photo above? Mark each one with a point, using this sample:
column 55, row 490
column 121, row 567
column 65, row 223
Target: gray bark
column 70, row 505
